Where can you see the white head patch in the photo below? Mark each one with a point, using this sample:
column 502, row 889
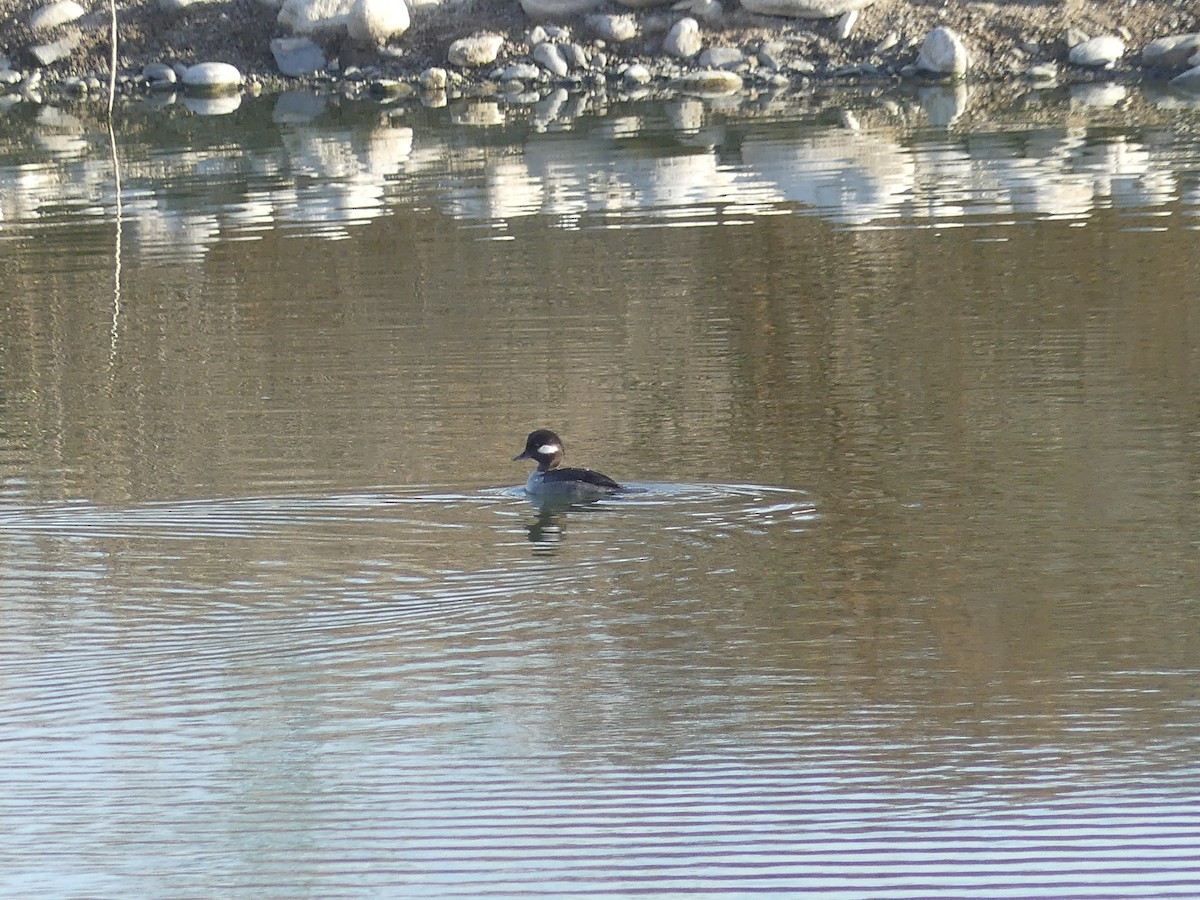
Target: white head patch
column 549, row 449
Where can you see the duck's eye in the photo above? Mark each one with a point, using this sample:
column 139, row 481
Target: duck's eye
column 548, row 449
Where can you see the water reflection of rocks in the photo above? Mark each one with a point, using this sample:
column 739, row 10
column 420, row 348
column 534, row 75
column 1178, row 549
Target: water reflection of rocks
column 319, row 169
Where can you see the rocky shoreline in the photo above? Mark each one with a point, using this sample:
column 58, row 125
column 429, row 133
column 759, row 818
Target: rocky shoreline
column 696, row 46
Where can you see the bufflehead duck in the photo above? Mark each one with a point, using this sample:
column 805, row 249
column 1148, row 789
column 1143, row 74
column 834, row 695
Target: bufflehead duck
column 548, row 480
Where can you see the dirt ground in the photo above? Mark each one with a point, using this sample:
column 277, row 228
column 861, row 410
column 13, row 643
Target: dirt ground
column 1000, row 35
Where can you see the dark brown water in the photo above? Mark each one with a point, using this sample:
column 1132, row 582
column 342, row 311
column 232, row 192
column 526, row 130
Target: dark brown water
column 905, row 604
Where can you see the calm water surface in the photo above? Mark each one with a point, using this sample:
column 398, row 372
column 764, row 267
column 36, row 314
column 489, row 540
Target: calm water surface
column 905, row 603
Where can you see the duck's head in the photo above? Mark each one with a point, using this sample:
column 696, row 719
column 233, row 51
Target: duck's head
column 543, row 446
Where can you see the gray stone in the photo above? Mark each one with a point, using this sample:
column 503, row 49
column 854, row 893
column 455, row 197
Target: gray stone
column 1188, row 81
column 557, row 9
column 575, row 56
column 683, row 40
column 613, row 27
column 159, row 74
column 550, row 58
column 476, row 50
column 705, row 10
column 54, row 14
column 298, row 56
column 943, row 53
column 1097, row 52
column 1170, row 52
column 804, row 9
column 9, row 77
column 212, row 77
column 722, row 58
column 51, row 52
column 708, row 83
column 375, row 22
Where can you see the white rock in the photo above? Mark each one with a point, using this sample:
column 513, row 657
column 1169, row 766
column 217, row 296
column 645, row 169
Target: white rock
column 943, row 53
column 1170, row 52
column 1043, row 73
column 476, row 50
column 804, row 9
column 636, row 74
column 616, row 29
column 550, row 58
column 309, row 16
column 434, row 79
column 50, row 53
column 683, row 40
column 376, row 22
column 1097, row 52
column 557, row 9
column 521, row 71
column 213, row 77
column 846, row 24
column 55, row 14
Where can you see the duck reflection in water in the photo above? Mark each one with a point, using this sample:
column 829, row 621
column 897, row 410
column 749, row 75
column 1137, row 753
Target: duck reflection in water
column 554, row 488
